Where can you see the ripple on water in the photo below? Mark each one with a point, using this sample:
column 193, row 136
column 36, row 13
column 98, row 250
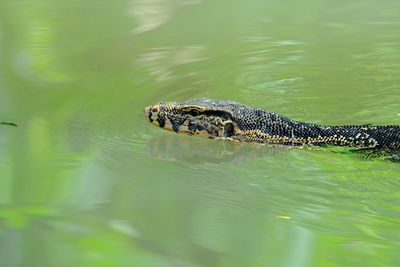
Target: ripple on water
column 264, row 67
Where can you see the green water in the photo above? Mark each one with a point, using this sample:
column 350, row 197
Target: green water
column 86, row 181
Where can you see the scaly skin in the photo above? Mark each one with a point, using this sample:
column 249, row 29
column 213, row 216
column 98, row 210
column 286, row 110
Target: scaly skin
column 240, row 123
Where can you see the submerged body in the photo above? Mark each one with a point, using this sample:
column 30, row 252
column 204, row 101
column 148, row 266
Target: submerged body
column 240, row 123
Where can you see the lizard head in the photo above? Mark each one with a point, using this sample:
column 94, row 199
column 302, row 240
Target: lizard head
column 203, row 116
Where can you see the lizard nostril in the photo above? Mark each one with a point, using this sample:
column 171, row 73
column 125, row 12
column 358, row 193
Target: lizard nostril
column 146, row 110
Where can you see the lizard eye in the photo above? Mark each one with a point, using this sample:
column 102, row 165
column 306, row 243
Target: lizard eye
column 194, row 112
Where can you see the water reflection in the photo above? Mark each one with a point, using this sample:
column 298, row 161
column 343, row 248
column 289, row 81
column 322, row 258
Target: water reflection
column 94, row 186
column 162, row 62
column 151, row 14
column 206, row 151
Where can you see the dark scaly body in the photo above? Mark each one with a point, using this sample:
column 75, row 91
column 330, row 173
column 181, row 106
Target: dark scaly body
column 237, row 122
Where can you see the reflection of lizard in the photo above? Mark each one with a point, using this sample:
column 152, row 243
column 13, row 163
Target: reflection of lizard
column 201, row 151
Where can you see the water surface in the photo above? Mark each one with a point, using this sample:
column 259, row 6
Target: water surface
column 86, row 181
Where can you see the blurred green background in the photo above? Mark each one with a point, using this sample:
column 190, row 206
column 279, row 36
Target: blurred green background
column 86, row 181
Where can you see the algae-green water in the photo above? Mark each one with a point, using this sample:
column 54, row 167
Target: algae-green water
column 85, row 180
